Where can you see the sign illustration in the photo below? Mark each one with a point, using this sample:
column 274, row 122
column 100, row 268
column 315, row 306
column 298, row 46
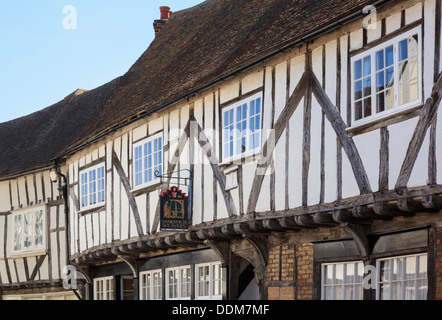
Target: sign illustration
column 174, row 210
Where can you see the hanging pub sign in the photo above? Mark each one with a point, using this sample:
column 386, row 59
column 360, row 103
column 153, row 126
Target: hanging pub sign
column 174, row 210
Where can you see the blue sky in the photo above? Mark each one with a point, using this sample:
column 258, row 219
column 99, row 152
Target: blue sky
column 41, row 61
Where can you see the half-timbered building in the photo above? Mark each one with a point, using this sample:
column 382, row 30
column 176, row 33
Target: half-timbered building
column 278, row 149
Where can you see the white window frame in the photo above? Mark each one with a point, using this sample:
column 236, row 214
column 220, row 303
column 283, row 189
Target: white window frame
column 402, row 280
column 154, row 154
column 107, row 293
column 155, row 290
column 20, row 217
column 211, row 281
column 372, row 53
column 355, row 285
column 248, row 132
column 86, row 187
column 179, row 290
column 43, row 296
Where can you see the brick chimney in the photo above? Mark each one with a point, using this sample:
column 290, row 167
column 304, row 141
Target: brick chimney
column 165, row 15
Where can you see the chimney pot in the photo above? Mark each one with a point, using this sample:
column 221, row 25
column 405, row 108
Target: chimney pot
column 165, row 13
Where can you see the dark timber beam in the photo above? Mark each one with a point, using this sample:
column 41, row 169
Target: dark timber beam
column 428, row 114
column 125, row 181
column 340, row 127
column 271, row 142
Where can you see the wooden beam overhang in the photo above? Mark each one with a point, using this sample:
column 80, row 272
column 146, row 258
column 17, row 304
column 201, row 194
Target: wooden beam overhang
column 355, row 215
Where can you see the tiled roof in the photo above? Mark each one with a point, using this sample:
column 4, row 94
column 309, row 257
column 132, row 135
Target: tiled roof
column 198, row 46
column 31, row 142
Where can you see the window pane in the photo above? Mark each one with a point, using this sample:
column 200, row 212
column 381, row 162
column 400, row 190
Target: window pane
column 403, row 50
column 27, row 231
column 339, row 273
column 339, row 292
column 389, row 98
column 226, row 119
column 328, row 293
column 367, row 107
column 38, row 229
column 258, row 106
column 389, row 56
column 385, row 270
column 422, row 290
column 358, row 69
column 358, row 110
column 17, row 232
column 360, row 272
column 414, row 68
column 409, row 290
column 396, row 290
column 422, row 272
column 349, row 273
column 367, row 87
column 410, row 267
column 328, row 274
column 380, row 102
column 349, row 292
column 397, row 268
column 367, row 66
column 403, row 71
column 414, row 90
column 403, row 93
column 413, row 46
column 385, row 291
column 380, row 81
column 110, row 289
column 358, row 90
column 379, row 60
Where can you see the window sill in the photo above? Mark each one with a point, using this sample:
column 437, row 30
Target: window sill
column 147, row 188
column 384, row 120
column 92, row 209
column 243, row 159
column 26, row 254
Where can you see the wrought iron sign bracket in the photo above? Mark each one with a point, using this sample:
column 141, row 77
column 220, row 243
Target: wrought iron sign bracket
column 169, row 176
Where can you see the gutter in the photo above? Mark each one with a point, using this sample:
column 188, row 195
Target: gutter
column 303, row 39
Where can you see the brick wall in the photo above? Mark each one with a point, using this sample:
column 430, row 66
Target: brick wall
column 289, row 270
column 304, row 255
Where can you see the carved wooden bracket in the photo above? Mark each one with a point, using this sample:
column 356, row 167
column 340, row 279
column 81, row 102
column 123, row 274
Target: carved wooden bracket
column 359, row 235
column 84, row 271
column 222, row 249
column 260, row 243
column 131, row 262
